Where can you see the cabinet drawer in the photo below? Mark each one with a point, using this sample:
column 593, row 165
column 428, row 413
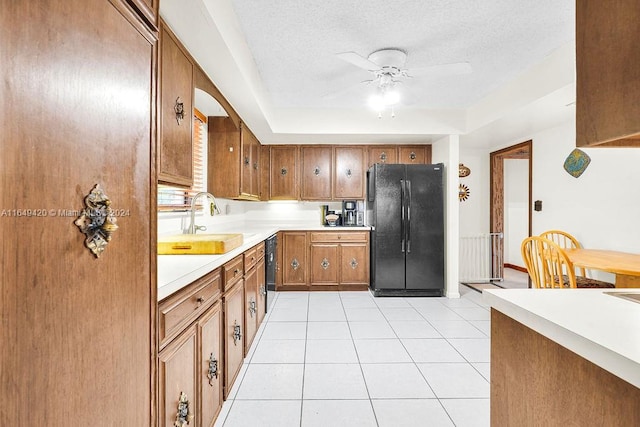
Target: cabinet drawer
column 336, row 236
column 233, row 271
column 260, row 251
column 181, row 308
column 250, row 259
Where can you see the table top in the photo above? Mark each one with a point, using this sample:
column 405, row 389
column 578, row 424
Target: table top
column 605, row 260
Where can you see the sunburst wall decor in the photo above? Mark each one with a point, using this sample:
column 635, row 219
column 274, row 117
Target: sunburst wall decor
column 463, row 192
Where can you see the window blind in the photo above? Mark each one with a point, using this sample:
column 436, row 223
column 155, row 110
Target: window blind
column 179, row 199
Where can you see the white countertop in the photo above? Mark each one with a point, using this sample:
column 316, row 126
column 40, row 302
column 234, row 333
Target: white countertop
column 601, row 328
column 177, row 271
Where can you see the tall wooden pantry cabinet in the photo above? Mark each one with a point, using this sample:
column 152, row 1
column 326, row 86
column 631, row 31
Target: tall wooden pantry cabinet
column 78, row 100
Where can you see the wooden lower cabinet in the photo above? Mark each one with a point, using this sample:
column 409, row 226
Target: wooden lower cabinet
column 210, row 365
column 354, row 264
column 337, row 260
column 178, row 375
column 294, row 260
column 233, row 309
column 262, row 289
column 324, row 265
column 250, row 308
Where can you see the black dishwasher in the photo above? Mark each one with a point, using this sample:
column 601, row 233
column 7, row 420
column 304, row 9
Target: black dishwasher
column 270, row 266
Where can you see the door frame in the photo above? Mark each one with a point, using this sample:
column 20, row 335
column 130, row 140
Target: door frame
column 523, row 150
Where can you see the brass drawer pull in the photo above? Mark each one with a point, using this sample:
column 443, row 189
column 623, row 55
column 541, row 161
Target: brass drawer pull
column 354, row 263
column 283, row 171
column 252, row 307
column 324, row 264
column 184, row 415
column 237, row 333
column 295, row 264
column 212, row 372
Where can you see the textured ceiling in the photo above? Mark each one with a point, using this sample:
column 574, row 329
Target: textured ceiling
column 294, row 42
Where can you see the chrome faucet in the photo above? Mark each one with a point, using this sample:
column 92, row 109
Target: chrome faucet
column 193, row 228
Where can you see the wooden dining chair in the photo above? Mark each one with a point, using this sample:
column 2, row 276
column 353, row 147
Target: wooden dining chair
column 567, row 241
column 547, row 264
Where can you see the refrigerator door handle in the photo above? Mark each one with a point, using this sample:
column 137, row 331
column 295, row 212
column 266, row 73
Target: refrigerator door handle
column 402, row 230
column 408, row 221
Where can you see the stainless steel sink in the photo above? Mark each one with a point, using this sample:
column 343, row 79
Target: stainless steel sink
column 631, row 296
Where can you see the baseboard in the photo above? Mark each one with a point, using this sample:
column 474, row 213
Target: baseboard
column 515, row 267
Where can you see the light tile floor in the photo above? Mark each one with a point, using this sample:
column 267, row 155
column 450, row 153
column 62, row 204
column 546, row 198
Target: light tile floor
column 348, row 359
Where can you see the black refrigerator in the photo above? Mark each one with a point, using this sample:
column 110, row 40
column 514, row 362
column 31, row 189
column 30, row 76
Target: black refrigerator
column 405, row 209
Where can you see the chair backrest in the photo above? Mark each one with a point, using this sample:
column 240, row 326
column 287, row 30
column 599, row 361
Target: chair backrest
column 547, row 263
column 565, row 241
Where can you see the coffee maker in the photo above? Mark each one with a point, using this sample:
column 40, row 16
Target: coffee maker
column 349, row 209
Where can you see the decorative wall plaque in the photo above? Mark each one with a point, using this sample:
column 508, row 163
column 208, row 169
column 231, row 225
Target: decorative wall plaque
column 463, row 170
column 576, row 163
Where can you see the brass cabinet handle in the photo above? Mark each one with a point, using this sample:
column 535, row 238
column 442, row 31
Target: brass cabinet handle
column 348, row 173
column 324, row 264
column 252, row 307
column 184, row 415
column 295, row 264
column 246, row 160
column 316, row 171
column 412, row 156
column 178, row 108
column 283, row 171
column 383, row 157
column 235, row 272
column 199, row 300
column 237, row 333
column 354, row 263
column 97, row 221
column 263, row 290
column 212, row 372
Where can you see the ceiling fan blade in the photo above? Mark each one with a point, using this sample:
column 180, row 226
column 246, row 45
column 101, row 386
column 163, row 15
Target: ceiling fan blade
column 441, row 70
column 358, row 61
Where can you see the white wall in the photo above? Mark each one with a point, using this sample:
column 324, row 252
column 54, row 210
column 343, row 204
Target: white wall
column 474, row 212
column 601, row 208
column 516, row 208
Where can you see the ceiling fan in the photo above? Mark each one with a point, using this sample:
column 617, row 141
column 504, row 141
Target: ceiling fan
column 387, row 67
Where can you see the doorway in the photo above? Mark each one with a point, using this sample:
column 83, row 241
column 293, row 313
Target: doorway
column 498, row 216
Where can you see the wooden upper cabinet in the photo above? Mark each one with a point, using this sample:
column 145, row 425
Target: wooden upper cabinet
column 316, row 173
column 607, row 73
column 176, row 95
column 223, row 168
column 349, row 173
column 283, row 174
column 148, row 10
column 414, row 154
column 233, row 164
column 382, row 154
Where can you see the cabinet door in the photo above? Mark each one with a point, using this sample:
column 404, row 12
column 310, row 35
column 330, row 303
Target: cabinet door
column 250, row 308
column 224, row 170
column 316, row 173
column 382, row 154
column 294, row 259
column 77, row 334
column 233, row 313
column 349, row 173
column 245, row 161
column 178, row 378
column 412, row 154
column 262, row 290
column 210, row 371
column 176, row 92
column 283, row 173
column 354, row 264
column 255, row 167
column 324, row 264
column 607, row 80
